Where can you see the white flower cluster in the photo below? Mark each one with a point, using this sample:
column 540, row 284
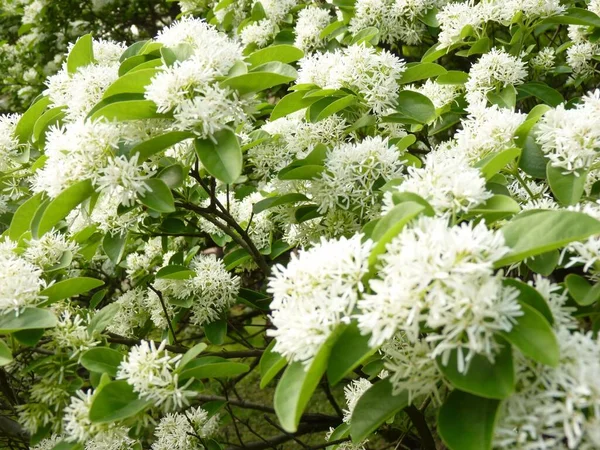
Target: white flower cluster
column 372, row 74
column 181, row 431
column 352, row 392
column 570, row 138
column 441, row 278
column 351, row 172
column 448, row 183
column 21, row 280
column 312, row 20
column 49, row 249
column 150, row 370
column 10, row 148
column 188, row 87
column 213, row 289
column 315, row 293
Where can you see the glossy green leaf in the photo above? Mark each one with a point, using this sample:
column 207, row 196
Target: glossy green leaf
column 533, row 335
column 102, row 360
column 131, row 82
column 223, row 159
column 69, row 288
column 374, row 408
column 483, row 378
column 282, row 53
column 466, row 422
column 566, row 187
column 415, row 106
column 581, row 290
column 279, row 200
column 421, row 71
column 5, row 354
column 114, row 246
column 116, row 401
column 81, row 54
column 127, row 110
column 152, row 146
column 23, row 216
column 271, row 363
column 545, row 263
column 208, row 367
column 216, row 331
column 529, row 295
column 543, row 231
column 190, row 355
column 159, row 198
column 349, row 351
column 575, row 16
column 541, row 91
column 175, row 272
column 291, row 103
column 296, row 386
column 336, row 106
column 63, row 204
column 262, row 77
column 29, row 318
column 26, row 124
column 495, row 162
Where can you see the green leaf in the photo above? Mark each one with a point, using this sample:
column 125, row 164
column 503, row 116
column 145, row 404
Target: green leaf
column 116, row 401
column 349, row 351
column 223, row 160
column 336, row 107
column 81, row 54
column 160, row 198
column 212, row 367
column 157, row 144
column 190, row 355
column 216, row 331
column 102, row 360
column 483, row 378
column 480, row 46
column 374, row 407
column 575, row 16
column 529, row 295
column 282, row 53
column 126, row 110
column 497, row 207
column 566, row 187
column 172, row 175
column 26, row 124
column 131, row 83
column 102, row 318
column 5, row 354
column 307, row 172
column 545, row 263
column 533, row 161
column 271, row 363
column 69, row 288
column 175, row 272
column 506, row 98
column 534, row 234
column 495, row 162
column 291, row 103
column 29, row 318
column 466, row 422
column 63, row 204
column 533, row 335
column 23, row 216
column 298, row 383
column 453, row 77
column 114, row 246
column 582, row 292
column 421, row 71
column 541, row 91
column 262, row 77
column 50, row 117
column 272, row 202
column 415, row 106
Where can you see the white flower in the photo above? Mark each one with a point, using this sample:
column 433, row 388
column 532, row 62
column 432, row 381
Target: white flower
column 150, row 371
column 180, row 431
column 21, row 281
column 372, row 74
column 446, row 181
column 48, row 443
column 351, row 173
column 580, row 57
column 411, row 368
column 316, row 292
column 442, row 278
column 75, row 153
column 544, row 60
column 112, row 439
column 109, row 219
column 311, row 21
column 124, row 179
column 9, row 144
column 353, row 391
column 557, row 299
column 77, row 424
column 276, row 10
column 439, row 94
column 259, row 33
column 213, row 289
column 453, row 17
column 48, row 250
column 71, row 332
column 570, row 137
column 494, row 69
column 131, row 315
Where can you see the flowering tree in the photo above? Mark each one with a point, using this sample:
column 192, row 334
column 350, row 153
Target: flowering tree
column 356, row 224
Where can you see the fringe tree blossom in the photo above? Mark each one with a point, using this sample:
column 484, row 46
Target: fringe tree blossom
column 180, row 431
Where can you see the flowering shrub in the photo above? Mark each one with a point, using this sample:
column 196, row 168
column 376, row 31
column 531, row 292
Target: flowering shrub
column 383, row 216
